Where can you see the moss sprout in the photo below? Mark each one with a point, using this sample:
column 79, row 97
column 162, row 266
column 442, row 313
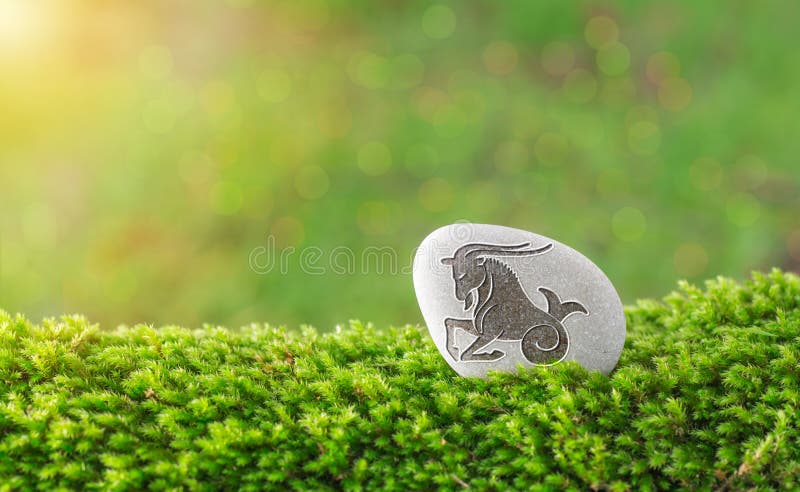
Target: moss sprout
column 705, row 396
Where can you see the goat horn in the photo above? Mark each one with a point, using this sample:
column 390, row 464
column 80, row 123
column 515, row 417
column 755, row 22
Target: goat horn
column 494, row 246
column 467, row 249
column 508, row 252
column 470, row 248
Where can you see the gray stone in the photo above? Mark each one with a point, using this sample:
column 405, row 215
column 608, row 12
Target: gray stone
column 495, row 298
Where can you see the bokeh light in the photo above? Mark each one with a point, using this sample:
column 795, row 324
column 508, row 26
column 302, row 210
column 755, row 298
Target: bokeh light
column 629, row 224
column 601, row 31
column 743, row 209
column 674, row 94
column 500, row 57
column 613, row 59
column 150, row 149
column 691, row 259
column 439, row 21
column 557, row 58
column 662, row 66
column 644, row 137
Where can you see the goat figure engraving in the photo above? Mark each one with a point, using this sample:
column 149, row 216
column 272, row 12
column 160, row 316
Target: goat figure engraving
column 501, row 310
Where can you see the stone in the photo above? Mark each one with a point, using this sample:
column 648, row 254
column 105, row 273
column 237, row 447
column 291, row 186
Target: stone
column 497, row 298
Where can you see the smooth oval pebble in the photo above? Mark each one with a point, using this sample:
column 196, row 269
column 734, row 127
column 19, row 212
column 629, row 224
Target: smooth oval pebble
column 495, row 298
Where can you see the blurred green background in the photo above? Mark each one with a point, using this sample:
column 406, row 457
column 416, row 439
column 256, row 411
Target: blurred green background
column 146, row 149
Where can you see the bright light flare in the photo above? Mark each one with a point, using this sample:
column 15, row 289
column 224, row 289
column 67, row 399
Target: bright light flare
column 24, row 26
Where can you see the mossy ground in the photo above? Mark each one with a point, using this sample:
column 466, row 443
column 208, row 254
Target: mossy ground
column 704, row 396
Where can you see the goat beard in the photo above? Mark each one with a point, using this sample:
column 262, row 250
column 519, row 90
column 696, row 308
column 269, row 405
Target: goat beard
column 470, row 299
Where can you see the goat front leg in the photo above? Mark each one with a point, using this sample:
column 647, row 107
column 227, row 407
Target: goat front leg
column 450, row 325
column 470, row 355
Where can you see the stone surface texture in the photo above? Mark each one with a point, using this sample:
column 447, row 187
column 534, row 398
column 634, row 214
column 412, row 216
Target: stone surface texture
column 495, row 298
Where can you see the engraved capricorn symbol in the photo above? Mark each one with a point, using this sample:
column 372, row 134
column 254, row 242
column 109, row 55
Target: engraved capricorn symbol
column 501, row 308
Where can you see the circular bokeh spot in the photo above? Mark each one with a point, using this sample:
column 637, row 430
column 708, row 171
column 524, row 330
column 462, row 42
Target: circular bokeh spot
column 371, row 71
column 628, row 224
column 500, row 57
column 407, row 71
column 557, row 58
column 438, row 22
column 662, row 66
column 601, row 31
column 614, row 59
column 690, row 259
column 311, row 182
column 743, row 209
column 374, row 158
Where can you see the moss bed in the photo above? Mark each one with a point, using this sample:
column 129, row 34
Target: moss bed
column 705, row 396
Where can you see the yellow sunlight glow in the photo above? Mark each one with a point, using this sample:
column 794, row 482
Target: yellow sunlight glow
column 23, row 26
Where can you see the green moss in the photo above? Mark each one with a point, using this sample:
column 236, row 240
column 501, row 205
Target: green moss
column 705, row 396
